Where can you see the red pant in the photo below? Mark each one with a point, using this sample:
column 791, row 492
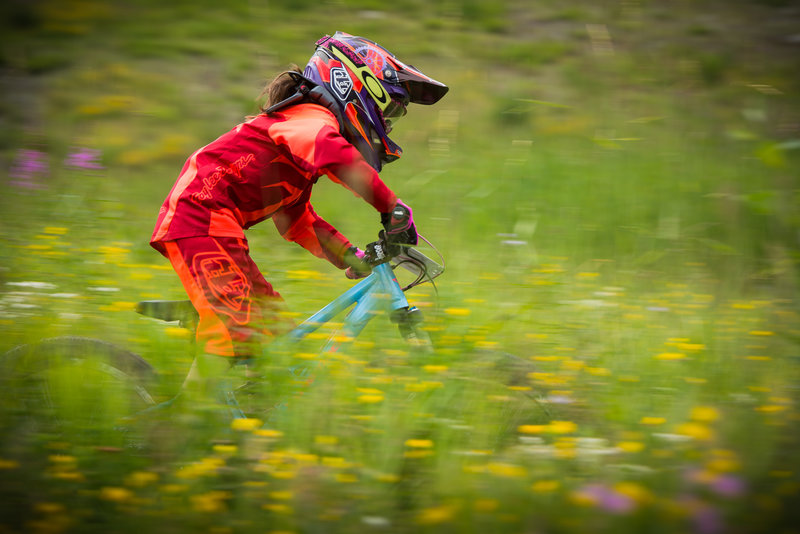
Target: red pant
column 235, row 302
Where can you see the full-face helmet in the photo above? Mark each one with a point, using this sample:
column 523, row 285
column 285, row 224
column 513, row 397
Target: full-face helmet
column 372, row 89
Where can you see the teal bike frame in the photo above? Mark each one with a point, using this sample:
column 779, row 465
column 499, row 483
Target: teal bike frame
column 365, row 296
column 379, row 291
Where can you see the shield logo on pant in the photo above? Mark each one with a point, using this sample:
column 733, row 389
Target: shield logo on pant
column 229, row 286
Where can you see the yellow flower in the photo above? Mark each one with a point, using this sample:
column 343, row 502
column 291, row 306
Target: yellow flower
column 631, row 446
column 141, row 478
column 561, row 427
column 532, row 335
column 582, row 498
column 50, row 507
column 278, row 508
column 326, row 440
column 174, row 488
column 486, row 505
column 225, row 448
column 573, row 365
column 346, row 478
column 690, row 346
column 635, row 491
column 565, row 454
column 418, row 453
column 693, row 380
column 115, row 494
column 434, row 368
column 423, row 386
column 205, row 467
column 213, row 501
column 723, row 465
column 69, row 475
column 436, row 515
column 283, row 475
column 8, row 464
column 771, row 408
column 506, row 470
column 459, row 312
column 306, row 458
column 62, row 459
column 704, row 414
column 419, row 443
column 545, row 486
column 177, row 332
column 370, row 391
column 335, row 461
column 670, row 356
column 370, row 399
column 652, row 421
column 268, row 433
column 694, row 430
column 305, row 275
column 246, row 424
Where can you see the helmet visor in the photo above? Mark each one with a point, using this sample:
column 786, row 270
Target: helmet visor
column 421, row 88
column 424, row 91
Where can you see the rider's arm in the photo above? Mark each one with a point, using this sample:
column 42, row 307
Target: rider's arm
column 301, row 224
column 343, row 164
column 311, row 135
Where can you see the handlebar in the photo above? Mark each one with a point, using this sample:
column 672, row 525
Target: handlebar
column 405, row 256
column 381, row 251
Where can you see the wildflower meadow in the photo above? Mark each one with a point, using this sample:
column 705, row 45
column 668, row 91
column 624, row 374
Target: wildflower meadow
column 613, row 187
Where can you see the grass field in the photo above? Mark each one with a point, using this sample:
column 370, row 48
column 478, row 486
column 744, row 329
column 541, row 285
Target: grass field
column 613, row 185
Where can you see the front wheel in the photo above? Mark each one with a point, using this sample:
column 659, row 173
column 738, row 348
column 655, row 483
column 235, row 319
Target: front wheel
column 74, row 390
column 409, row 321
column 417, row 338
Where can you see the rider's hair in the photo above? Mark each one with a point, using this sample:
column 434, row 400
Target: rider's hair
column 280, row 88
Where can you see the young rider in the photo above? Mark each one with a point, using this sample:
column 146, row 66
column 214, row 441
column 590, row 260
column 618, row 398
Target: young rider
column 332, row 120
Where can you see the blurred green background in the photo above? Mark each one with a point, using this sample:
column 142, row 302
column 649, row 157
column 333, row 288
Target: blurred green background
column 614, row 187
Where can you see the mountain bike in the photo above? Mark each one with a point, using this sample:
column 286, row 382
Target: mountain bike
column 74, row 385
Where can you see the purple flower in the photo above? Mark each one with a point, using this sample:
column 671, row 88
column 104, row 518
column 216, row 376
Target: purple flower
column 703, row 518
column 84, row 158
column 28, row 166
column 707, row 520
column 728, row 486
column 607, row 499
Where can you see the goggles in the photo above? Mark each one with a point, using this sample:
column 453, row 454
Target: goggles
column 396, row 108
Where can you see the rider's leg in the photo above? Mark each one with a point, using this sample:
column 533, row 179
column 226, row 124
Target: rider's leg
column 210, row 384
column 234, row 302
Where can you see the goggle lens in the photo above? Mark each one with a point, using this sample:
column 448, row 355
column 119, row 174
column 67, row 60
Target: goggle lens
column 395, row 109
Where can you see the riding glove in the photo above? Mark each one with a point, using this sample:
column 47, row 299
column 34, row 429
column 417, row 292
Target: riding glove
column 399, row 225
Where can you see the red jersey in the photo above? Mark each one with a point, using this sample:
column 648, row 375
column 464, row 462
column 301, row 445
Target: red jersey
column 265, row 168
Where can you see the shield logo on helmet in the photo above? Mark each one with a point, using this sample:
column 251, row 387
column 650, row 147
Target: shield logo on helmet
column 341, row 82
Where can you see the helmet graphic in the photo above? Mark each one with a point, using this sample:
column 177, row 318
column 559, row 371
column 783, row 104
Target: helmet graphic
column 371, row 88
